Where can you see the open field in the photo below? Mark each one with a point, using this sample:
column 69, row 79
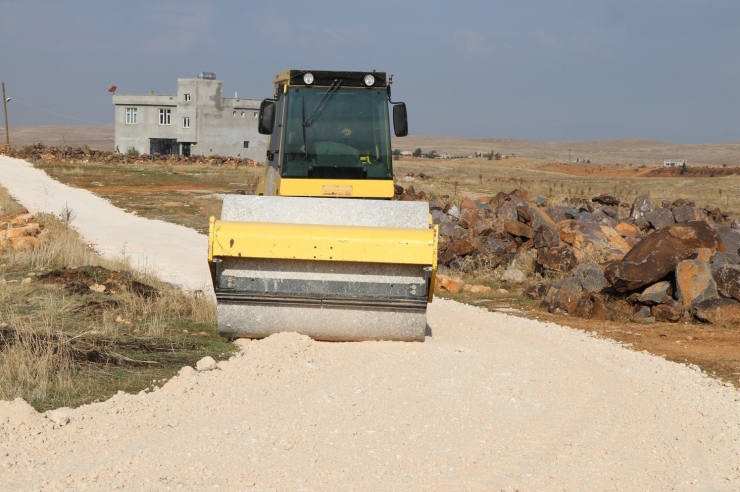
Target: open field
column 623, row 151
column 96, row 137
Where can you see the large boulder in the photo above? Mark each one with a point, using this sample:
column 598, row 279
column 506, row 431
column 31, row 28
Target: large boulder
column 659, row 253
column 727, row 278
column 694, row 283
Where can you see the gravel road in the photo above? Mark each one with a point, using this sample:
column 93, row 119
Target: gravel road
column 489, row 402
column 173, row 253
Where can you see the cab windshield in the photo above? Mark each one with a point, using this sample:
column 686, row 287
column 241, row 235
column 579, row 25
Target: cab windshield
column 337, row 133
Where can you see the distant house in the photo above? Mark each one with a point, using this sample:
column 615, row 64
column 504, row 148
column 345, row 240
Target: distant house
column 674, row 163
column 407, row 153
column 198, row 120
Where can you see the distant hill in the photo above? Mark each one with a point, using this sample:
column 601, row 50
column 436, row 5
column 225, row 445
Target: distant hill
column 625, row 151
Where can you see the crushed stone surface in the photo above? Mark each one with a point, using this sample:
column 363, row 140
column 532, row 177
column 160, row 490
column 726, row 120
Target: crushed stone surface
column 489, row 402
column 171, row 252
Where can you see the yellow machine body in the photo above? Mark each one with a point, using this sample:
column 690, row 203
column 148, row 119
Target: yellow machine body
column 278, row 264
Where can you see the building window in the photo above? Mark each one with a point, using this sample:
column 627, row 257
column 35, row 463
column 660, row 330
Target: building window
column 131, row 116
column 165, row 116
column 234, row 113
column 242, row 114
column 186, row 122
column 187, row 97
column 246, row 144
column 256, row 113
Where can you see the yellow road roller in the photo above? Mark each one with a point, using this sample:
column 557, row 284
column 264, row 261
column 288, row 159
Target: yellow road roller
column 322, row 249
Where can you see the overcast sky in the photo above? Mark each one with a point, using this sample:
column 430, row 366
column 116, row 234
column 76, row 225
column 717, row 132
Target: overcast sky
column 544, row 70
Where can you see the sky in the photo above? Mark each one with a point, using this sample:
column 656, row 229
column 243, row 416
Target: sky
column 664, row 70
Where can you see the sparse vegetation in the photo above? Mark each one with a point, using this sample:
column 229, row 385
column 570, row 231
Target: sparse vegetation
column 75, row 327
column 133, row 152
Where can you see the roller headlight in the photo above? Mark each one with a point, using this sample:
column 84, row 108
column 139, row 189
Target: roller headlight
column 369, row 80
column 308, row 78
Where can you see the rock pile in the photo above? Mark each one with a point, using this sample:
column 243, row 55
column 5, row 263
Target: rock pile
column 19, row 231
column 648, row 263
column 69, row 154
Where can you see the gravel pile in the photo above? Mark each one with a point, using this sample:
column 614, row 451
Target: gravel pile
column 489, row 402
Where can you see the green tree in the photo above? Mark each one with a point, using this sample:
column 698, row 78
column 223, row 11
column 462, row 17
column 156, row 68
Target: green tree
column 684, row 167
column 417, row 153
column 433, row 154
column 396, row 153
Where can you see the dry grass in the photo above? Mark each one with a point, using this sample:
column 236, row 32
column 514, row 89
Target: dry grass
column 65, row 345
column 458, row 178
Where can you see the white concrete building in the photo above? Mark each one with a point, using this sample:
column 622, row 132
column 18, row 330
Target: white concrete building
column 198, row 120
column 674, row 163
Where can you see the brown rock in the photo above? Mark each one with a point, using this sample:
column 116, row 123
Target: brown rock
column 21, row 220
column 568, row 229
column 557, row 259
column 544, row 237
column 727, row 278
column 468, row 217
column 704, row 254
column 507, row 211
column 463, row 246
column 658, row 254
column 468, row 204
column 519, row 194
column 516, row 228
column 26, row 230
column 718, row 311
column 446, row 257
column 444, row 283
column 524, row 215
column 667, row 312
column 23, row 243
column 606, row 200
column 694, row 283
column 599, row 310
column 555, row 214
column 568, row 294
column 584, row 308
column 477, row 289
